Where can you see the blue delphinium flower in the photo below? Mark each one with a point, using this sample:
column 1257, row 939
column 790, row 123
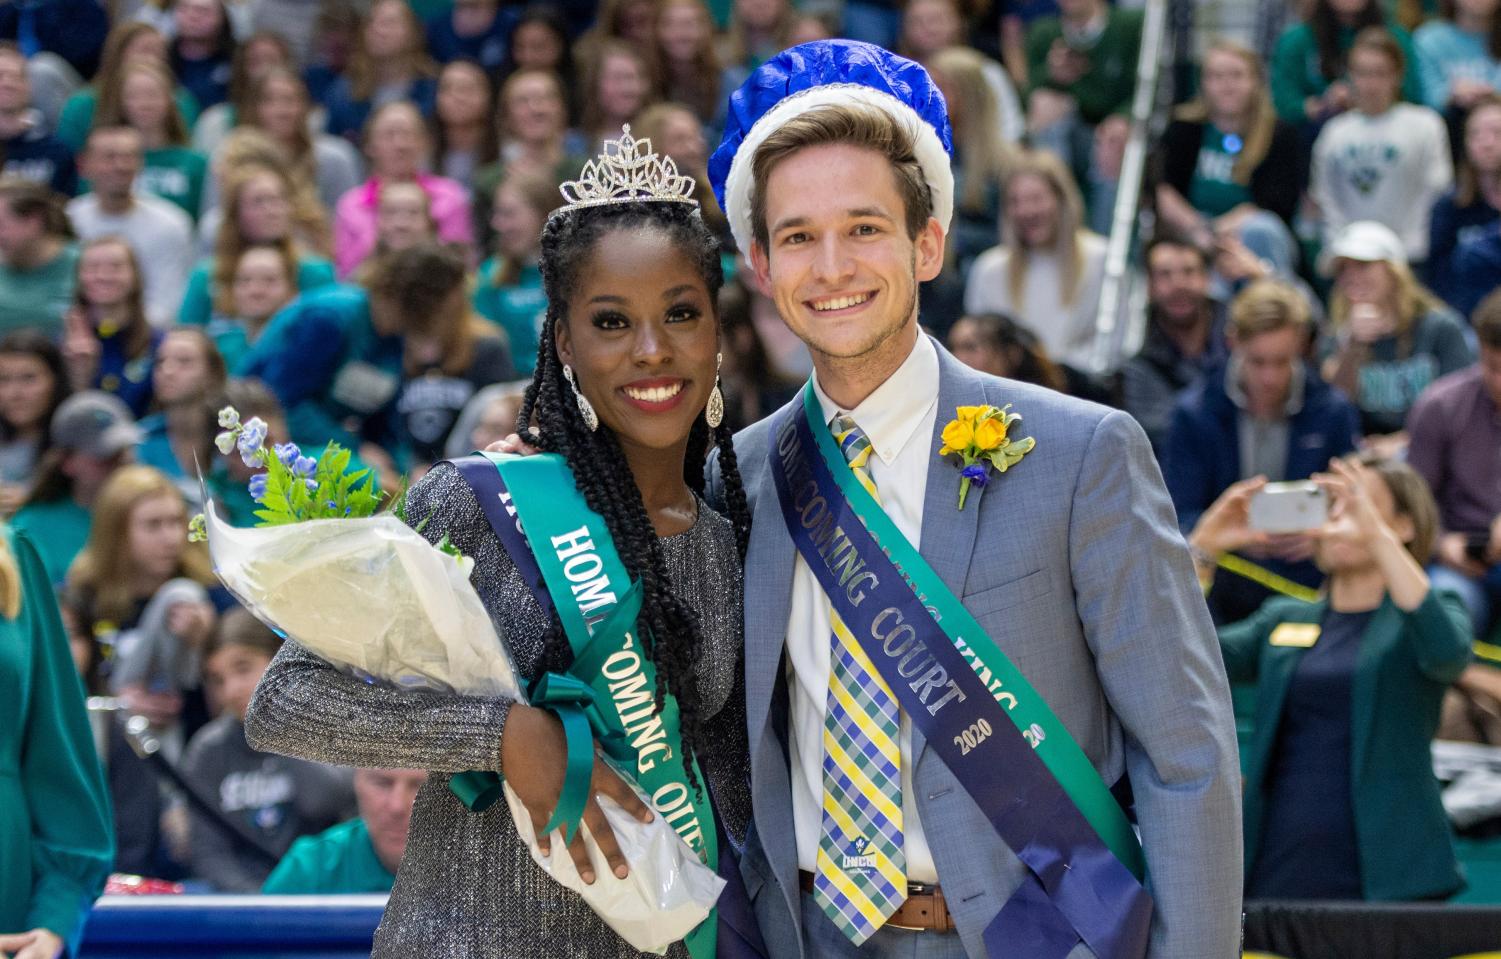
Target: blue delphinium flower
column 312, row 485
column 258, row 487
column 287, row 453
column 976, row 473
column 251, row 438
column 304, row 466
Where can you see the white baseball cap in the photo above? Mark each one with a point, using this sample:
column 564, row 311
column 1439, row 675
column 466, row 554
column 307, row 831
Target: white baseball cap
column 1366, row 241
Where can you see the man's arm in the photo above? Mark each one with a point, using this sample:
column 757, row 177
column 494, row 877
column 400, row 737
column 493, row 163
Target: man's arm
column 1160, row 666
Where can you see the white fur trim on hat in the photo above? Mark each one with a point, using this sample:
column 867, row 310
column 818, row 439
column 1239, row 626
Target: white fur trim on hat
column 929, row 150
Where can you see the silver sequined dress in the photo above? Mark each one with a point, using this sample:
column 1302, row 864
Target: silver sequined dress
column 467, row 886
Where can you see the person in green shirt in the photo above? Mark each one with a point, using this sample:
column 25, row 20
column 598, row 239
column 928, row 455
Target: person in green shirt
column 1081, row 69
column 56, row 832
column 143, row 101
column 93, row 434
column 1308, row 64
column 358, row 856
column 127, row 43
column 509, row 289
column 38, row 258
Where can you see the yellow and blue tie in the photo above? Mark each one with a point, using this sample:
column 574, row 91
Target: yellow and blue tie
column 861, row 878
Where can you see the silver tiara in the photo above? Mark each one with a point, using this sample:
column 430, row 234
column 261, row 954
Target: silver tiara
column 628, row 172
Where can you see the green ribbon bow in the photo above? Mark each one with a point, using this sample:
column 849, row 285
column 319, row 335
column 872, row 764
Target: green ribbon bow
column 577, row 707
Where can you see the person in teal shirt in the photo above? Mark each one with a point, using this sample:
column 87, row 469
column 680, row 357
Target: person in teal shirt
column 1458, row 57
column 128, row 42
column 93, row 433
column 335, row 357
column 56, row 830
column 172, row 170
column 38, row 258
column 509, row 291
column 1340, row 800
column 1308, row 64
column 358, row 856
column 263, row 282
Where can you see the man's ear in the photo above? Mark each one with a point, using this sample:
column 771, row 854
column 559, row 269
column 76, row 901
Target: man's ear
column 929, row 256
column 760, row 263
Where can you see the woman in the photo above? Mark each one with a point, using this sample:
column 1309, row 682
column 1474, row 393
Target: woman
column 632, row 22
column 1309, row 83
column 929, row 27
column 982, row 151
column 509, row 288
column 539, row 41
column 1048, row 269
column 33, row 384
column 996, row 344
column 1340, row 798
column 279, row 107
column 1468, row 220
column 178, row 439
column 759, row 29
column 442, row 369
column 389, row 65
column 688, row 62
column 248, row 146
column 617, row 84
column 127, row 43
column 626, row 454
column 532, row 122
column 38, row 258
column 93, row 434
column 139, row 606
column 259, row 199
column 403, row 219
column 109, row 345
column 464, row 134
column 173, row 170
column 203, row 49
column 261, row 52
column 54, row 811
column 1391, row 336
column 1383, row 160
column 396, row 143
column 1459, row 54
column 1229, row 165
column 264, row 280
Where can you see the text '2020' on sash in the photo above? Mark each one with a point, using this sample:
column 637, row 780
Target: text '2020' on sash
column 564, row 551
column 993, row 731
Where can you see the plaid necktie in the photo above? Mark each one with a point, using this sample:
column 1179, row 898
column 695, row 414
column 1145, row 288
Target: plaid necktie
column 862, row 871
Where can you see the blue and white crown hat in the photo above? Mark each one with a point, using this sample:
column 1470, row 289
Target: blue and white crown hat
column 817, row 74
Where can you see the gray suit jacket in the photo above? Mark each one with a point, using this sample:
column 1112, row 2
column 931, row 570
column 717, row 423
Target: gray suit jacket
column 1073, row 563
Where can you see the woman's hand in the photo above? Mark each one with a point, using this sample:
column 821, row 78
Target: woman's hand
column 1226, row 525
column 36, row 944
column 81, row 350
column 1349, row 483
column 533, row 755
column 191, row 622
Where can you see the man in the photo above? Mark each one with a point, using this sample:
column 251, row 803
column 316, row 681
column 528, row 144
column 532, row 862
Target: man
column 159, row 233
column 835, row 176
column 1262, row 413
column 475, row 29
column 1454, row 441
column 358, row 856
column 31, row 153
column 1185, row 335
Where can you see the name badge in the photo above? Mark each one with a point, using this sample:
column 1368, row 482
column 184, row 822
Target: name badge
column 1299, row 635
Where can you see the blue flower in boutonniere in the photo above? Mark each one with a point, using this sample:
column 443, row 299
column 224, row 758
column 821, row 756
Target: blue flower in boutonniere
column 980, row 437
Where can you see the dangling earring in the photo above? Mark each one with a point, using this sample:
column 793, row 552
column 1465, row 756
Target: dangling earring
column 591, row 419
column 714, row 412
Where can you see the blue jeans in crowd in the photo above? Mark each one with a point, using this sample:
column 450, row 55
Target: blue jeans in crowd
column 1481, row 595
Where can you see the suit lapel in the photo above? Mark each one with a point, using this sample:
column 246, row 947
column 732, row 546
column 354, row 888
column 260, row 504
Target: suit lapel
column 769, row 566
column 948, row 533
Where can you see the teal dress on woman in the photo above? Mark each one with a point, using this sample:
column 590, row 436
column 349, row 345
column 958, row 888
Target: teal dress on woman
column 56, row 834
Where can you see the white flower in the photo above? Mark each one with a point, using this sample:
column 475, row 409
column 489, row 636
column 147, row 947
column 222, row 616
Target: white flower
column 225, row 442
column 229, row 418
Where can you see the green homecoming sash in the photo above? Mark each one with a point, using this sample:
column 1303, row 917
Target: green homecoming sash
column 610, row 690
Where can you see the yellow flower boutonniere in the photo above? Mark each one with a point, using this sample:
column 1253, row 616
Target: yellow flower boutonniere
column 980, row 437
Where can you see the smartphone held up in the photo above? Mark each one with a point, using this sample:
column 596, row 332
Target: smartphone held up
column 1289, row 507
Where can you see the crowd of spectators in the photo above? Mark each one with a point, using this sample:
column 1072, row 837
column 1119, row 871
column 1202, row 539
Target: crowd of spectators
column 326, row 213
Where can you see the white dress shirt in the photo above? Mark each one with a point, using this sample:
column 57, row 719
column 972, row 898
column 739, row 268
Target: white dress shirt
column 898, row 419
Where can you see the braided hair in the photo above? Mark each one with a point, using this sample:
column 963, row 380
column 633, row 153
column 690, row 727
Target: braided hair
column 669, row 628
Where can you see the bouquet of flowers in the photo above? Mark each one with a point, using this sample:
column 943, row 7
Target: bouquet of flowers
column 372, row 596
